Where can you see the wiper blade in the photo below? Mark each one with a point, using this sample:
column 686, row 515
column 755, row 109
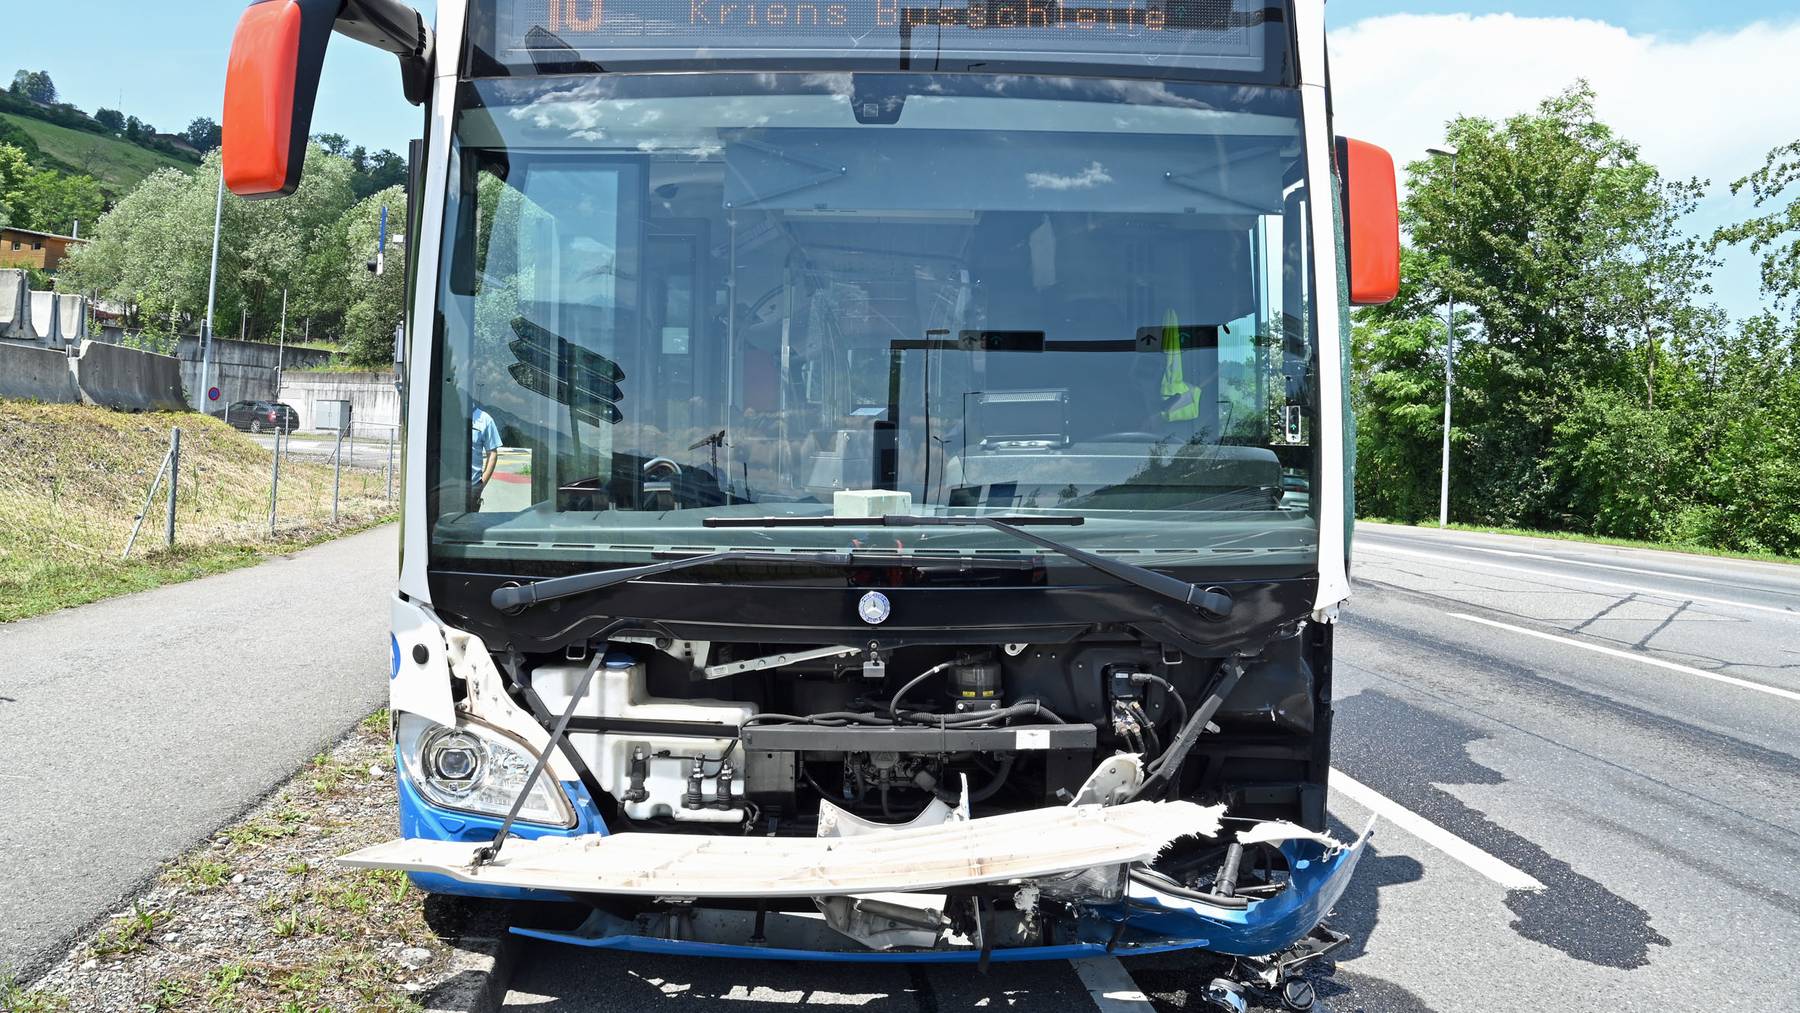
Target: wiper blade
column 890, row 521
column 1211, row 602
column 516, row 597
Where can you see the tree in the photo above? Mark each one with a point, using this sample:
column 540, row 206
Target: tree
column 1774, row 235
column 1563, row 248
column 14, row 170
column 334, row 144
column 112, row 119
column 153, row 249
column 34, row 85
column 376, row 302
column 204, row 134
column 50, row 201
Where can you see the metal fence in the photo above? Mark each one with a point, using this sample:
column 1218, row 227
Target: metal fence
column 312, row 480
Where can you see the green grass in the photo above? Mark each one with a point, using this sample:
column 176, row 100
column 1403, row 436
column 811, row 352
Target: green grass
column 73, row 477
column 117, row 164
column 14, row 998
column 1574, row 536
column 128, row 933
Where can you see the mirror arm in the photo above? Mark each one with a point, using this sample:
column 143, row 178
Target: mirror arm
column 393, row 27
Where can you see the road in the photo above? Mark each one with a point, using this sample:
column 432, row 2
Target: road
column 1586, row 764
column 361, row 453
column 133, row 727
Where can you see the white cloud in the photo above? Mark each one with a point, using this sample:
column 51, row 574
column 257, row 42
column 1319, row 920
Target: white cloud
column 1088, row 178
column 1710, row 106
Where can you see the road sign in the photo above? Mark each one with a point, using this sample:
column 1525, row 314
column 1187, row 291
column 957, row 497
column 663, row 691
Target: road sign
column 212, row 393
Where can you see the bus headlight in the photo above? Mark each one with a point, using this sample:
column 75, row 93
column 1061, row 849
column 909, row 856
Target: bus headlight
column 478, row 769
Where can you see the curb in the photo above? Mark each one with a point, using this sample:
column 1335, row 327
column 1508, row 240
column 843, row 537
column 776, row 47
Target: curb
column 481, row 968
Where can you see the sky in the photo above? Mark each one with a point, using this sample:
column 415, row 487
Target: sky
column 1706, row 88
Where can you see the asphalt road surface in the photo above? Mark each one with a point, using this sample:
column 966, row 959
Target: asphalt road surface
column 1588, row 773
column 131, row 728
column 363, row 452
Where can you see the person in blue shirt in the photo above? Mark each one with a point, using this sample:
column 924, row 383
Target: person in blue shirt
column 484, row 454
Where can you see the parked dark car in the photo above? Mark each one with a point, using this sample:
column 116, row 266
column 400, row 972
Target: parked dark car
column 262, row 416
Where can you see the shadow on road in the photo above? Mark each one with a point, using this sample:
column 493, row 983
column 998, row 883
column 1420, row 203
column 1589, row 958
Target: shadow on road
column 552, row 977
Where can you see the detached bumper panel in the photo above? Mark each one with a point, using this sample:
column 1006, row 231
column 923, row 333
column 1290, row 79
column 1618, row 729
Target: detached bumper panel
column 1013, row 846
column 1319, row 877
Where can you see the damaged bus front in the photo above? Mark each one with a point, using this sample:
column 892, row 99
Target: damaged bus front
column 877, row 477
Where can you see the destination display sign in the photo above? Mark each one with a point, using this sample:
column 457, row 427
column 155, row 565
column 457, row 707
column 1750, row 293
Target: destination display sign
column 1228, row 35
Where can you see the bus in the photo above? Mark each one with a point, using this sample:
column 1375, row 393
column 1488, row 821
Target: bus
column 877, row 475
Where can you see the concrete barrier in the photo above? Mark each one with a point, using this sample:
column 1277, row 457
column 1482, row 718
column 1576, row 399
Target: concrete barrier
column 125, row 378
column 43, row 315
column 37, row 374
column 15, row 308
column 71, row 319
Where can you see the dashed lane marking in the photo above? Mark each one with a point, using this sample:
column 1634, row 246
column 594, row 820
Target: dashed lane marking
column 1641, row 658
column 1791, row 613
column 1110, row 986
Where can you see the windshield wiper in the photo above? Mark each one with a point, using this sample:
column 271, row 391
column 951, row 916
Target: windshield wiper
column 1213, row 603
column 522, row 596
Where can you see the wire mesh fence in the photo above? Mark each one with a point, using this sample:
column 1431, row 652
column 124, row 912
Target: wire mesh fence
column 75, row 481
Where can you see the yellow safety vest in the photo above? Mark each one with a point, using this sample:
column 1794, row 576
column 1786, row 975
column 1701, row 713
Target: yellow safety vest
column 1174, row 384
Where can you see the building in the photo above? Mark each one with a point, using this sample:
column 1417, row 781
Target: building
column 24, row 248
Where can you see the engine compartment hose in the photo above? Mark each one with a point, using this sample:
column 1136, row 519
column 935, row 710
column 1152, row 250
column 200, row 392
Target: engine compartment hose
column 1226, row 884
column 981, row 794
column 894, row 704
column 1162, row 771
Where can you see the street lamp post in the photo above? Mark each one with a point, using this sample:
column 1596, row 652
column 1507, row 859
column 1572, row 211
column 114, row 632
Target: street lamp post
column 212, row 292
column 1447, row 151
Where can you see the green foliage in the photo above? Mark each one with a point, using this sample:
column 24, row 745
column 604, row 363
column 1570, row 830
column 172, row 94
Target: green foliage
column 34, row 85
column 1596, row 390
column 376, row 303
column 42, row 199
column 203, row 133
column 1775, row 234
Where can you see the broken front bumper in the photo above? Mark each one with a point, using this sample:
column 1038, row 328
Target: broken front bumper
column 1043, row 847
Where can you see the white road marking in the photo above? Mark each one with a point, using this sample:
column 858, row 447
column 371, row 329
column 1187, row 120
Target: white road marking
column 1110, row 986
column 1541, row 575
column 1583, row 562
column 1432, row 834
column 1646, row 659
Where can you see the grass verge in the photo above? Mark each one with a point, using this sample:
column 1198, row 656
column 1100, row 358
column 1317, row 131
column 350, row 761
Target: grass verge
column 73, row 477
column 117, row 164
column 1572, row 536
column 261, row 918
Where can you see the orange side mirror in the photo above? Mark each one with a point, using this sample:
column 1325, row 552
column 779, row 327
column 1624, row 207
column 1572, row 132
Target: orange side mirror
column 270, row 86
column 1371, row 222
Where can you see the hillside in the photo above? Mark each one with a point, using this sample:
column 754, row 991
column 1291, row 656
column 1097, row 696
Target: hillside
column 73, row 477
column 117, row 164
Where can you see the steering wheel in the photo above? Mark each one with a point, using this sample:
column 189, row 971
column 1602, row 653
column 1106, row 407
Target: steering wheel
column 661, row 464
column 1135, row 436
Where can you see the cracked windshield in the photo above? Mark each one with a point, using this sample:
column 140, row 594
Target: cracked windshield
column 670, row 298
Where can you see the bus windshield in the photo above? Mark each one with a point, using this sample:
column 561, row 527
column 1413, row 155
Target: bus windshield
column 669, row 297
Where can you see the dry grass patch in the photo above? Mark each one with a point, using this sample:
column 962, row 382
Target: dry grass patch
column 73, row 477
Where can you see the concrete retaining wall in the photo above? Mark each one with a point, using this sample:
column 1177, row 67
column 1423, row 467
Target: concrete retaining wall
column 373, row 398
column 125, row 378
column 243, row 370
column 38, row 374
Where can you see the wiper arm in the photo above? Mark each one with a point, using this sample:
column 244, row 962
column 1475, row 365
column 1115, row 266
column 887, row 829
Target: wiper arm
column 508, row 598
column 1212, row 603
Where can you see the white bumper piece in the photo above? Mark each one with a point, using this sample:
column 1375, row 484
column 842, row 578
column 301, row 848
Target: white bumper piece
column 1013, row 846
